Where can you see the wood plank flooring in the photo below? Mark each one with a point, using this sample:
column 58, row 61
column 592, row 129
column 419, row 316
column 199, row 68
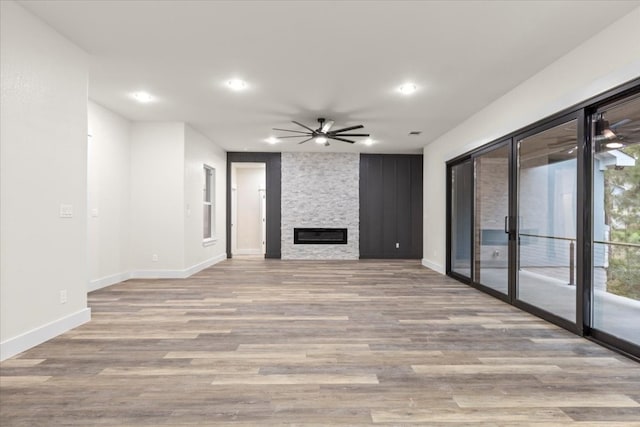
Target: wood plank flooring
column 269, row 342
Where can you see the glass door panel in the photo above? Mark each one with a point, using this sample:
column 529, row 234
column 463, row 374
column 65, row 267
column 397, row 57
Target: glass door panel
column 491, row 238
column 461, row 186
column 616, row 221
column 546, row 234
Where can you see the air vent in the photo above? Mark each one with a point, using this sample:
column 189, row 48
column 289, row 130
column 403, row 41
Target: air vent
column 415, row 132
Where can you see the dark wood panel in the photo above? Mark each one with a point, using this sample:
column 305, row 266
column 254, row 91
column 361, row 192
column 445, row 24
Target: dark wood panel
column 272, row 163
column 403, row 207
column 352, row 343
column 371, row 205
column 416, row 205
column 390, row 206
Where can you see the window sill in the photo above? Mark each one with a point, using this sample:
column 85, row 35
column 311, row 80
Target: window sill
column 210, row 241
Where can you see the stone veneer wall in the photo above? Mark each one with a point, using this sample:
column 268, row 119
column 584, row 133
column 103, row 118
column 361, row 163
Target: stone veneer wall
column 320, row 190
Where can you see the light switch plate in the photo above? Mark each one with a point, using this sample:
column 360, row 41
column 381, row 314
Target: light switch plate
column 66, row 211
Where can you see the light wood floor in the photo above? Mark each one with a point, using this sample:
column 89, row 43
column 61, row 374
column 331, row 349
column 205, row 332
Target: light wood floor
column 264, row 342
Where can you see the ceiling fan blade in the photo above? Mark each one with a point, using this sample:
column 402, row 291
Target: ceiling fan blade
column 306, row 127
column 302, row 142
column 340, row 139
column 352, row 134
column 288, row 130
column 327, row 126
column 333, row 132
column 620, row 123
column 293, row 136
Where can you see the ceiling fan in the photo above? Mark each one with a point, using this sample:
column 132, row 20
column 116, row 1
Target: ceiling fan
column 323, row 134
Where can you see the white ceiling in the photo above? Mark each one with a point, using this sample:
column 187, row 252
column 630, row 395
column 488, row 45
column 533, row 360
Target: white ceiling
column 342, row 60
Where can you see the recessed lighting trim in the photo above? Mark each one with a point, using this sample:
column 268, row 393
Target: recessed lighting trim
column 407, row 88
column 272, row 140
column 237, row 84
column 368, row 142
column 143, row 97
column 320, row 140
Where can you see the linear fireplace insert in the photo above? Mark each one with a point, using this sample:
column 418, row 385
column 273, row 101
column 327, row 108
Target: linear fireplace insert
column 323, row 236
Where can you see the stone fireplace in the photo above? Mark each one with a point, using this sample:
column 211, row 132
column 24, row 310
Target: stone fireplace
column 320, row 191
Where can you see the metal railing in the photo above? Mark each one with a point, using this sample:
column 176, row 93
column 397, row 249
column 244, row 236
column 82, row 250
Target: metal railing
column 572, row 248
column 572, row 253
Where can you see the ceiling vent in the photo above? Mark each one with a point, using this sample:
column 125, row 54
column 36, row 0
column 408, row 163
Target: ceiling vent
column 415, row 132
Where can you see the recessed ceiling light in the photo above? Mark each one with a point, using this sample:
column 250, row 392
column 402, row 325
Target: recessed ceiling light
column 368, row 142
column 237, row 84
column 407, row 88
column 321, row 140
column 272, row 140
column 143, row 97
column 614, row 145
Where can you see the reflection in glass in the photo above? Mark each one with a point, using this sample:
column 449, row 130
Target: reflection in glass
column 461, row 181
column 616, row 220
column 491, row 253
column 547, row 180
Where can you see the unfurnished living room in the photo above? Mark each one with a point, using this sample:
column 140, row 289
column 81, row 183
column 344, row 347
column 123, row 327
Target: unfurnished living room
column 319, row 213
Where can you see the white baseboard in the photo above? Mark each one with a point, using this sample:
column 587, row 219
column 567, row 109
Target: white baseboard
column 34, row 337
column 248, row 252
column 205, row 264
column 433, row 266
column 177, row 274
column 103, row 282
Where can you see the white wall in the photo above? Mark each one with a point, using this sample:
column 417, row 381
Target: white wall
column 200, row 151
column 157, row 196
column 43, row 152
column 608, row 59
column 109, row 196
column 248, row 182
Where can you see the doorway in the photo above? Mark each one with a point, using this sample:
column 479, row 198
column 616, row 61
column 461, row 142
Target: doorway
column 248, row 209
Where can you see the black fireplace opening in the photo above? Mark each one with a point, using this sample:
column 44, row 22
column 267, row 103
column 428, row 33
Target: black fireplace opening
column 321, row 236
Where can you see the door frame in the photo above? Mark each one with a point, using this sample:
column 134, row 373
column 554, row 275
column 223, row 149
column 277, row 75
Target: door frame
column 274, row 190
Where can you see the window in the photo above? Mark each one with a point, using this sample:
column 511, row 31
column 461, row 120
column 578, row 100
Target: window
column 209, row 203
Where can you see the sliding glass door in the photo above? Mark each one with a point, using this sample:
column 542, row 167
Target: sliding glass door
column 461, row 185
column 491, row 208
column 616, row 220
column 547, row 219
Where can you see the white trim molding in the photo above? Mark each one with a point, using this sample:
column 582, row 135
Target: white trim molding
column 248, row 252
column 177, row 274
column 432, row 265
column 34, row 337
column 103, row 282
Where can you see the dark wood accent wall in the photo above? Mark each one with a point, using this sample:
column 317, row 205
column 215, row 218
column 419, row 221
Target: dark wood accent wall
column 274, row 191
column 391, row 206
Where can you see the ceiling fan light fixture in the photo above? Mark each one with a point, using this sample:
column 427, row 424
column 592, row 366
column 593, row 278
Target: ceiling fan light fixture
column 407, row 88
column 237, row 84
column 614, row 145
column 320, row 140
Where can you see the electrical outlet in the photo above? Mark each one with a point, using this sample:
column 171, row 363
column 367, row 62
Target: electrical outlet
column 397, row 245
column 154, row 258
column 63, row 296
